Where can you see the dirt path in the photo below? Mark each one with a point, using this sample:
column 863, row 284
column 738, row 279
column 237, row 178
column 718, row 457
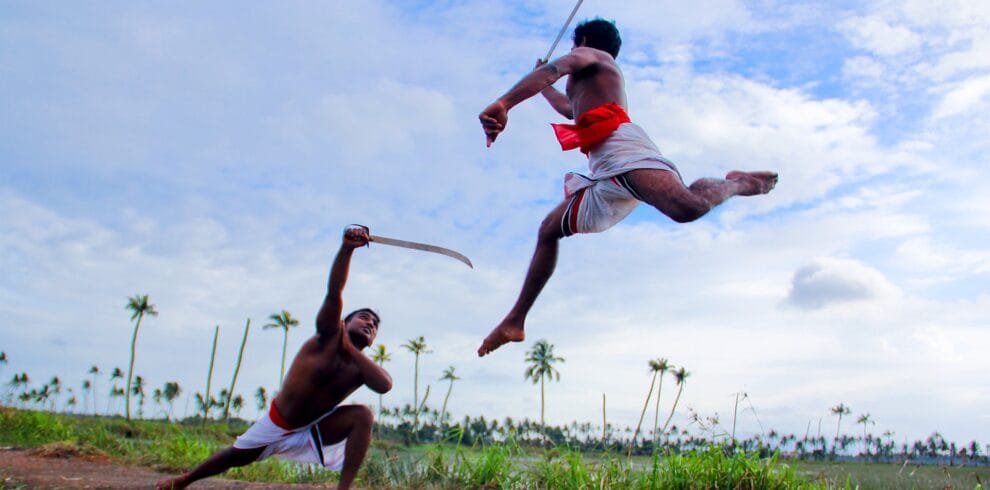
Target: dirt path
column 23, row 469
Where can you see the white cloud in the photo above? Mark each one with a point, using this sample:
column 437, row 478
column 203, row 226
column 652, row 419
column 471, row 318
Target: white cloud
column 876, row 35
column 970, row 95
column 831, row 281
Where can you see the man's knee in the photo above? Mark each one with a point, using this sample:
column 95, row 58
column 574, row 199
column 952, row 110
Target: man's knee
column 685, row 213
column 363, row 416
column 550, row 228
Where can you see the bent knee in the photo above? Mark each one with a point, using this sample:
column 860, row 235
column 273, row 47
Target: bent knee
column 685, row 210
column 686, row 215
column 550, row 229
column 363, row 416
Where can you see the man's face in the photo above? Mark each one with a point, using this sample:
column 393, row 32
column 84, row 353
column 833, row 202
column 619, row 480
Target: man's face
column 363, row 325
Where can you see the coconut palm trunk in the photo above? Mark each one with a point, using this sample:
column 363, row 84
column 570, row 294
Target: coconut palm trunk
column 284, row 321
column 381, row 355
column 680, row 375
column 417, row 346
column 207, row 399
column 542, row 358
column 656, row 366
column 140, row 306
column 656, row 411
column 642, row 414
column 449, row 375
column 237, row 369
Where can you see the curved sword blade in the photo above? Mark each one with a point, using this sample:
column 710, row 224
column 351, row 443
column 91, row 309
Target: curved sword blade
column 421, row 246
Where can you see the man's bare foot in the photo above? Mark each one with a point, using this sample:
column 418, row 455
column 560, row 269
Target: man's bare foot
column 756, row 182
column 170, row 484
column 500, row 335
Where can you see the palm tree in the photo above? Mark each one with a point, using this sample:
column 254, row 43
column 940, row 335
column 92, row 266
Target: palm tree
column 417, row 346
column 680, row 376
column 655, row 365
column 70, row 404
column 170, row 391
column 380, row 355
column 116, row 374
column 865, row 419
column 261, row 398
column 207, row 400
column 56, row 385
column 237, row 368
column 116, row 392
column 94, row 370
column 541, row 359
column 662, row 365
column 237, row 404
column 157, row 397
column 839, row 410
column 284, row 321
column 448, row 374
column 138, row 391
column 139, row 306
column 87, row 387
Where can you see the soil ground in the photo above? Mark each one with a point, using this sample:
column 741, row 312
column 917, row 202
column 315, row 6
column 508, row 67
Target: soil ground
column 33, row 469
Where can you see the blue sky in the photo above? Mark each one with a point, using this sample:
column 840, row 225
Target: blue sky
column 210, row 155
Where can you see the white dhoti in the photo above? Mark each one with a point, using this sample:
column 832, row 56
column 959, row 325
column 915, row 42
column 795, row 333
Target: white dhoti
column 599, row 201
column 302, row 444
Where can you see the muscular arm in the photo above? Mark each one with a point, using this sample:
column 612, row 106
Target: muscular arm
column 560, row 102
column 328, row 319
column 375, row 377
column 495, row 116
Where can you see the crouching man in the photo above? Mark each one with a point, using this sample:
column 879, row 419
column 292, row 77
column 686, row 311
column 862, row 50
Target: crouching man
column 306, row 421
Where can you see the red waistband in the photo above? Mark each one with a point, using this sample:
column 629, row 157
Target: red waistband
column 591, row 128
column 277, row 418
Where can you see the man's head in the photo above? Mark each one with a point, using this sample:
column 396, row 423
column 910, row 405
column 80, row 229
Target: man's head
column 600, row 34
column 362, row 324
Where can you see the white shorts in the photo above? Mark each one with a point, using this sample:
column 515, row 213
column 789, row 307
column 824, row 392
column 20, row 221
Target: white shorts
column 599, row 201
column 304, row 444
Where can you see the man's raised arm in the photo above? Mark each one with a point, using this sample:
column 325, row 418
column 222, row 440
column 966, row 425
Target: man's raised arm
column 495, row 116
column 328, row 319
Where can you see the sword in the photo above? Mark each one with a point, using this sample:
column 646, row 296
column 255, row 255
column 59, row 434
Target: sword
column 416, row 246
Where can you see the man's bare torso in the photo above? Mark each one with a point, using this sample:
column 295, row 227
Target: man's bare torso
column 320, row 378
column 597, row 80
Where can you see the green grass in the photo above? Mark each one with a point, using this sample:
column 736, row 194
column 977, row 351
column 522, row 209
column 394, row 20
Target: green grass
column 174, row 447
column 883, row 476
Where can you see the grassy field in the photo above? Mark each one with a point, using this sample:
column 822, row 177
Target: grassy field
column 174, row 447
column 880, row 476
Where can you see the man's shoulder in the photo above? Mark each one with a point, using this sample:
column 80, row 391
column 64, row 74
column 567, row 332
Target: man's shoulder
column 585, row 58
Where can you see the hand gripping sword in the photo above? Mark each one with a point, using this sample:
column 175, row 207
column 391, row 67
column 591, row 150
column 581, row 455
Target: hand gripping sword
column 416, row 246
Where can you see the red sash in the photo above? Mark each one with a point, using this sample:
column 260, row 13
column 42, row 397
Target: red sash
column 277, row 418
column 592, row 127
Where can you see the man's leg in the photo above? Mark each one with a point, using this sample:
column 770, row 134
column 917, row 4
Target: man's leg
column 665, row 191
column 541, row 267
column 219, row 462
column 354, row 423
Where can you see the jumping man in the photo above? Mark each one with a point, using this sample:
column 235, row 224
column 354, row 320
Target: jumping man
column 626, row 167
column 306, row 421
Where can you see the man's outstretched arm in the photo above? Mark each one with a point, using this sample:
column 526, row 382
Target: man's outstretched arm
column 495, row 116
column 328, row 319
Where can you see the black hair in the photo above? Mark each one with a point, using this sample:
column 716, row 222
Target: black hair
column 360, row 310
column 600, row 34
